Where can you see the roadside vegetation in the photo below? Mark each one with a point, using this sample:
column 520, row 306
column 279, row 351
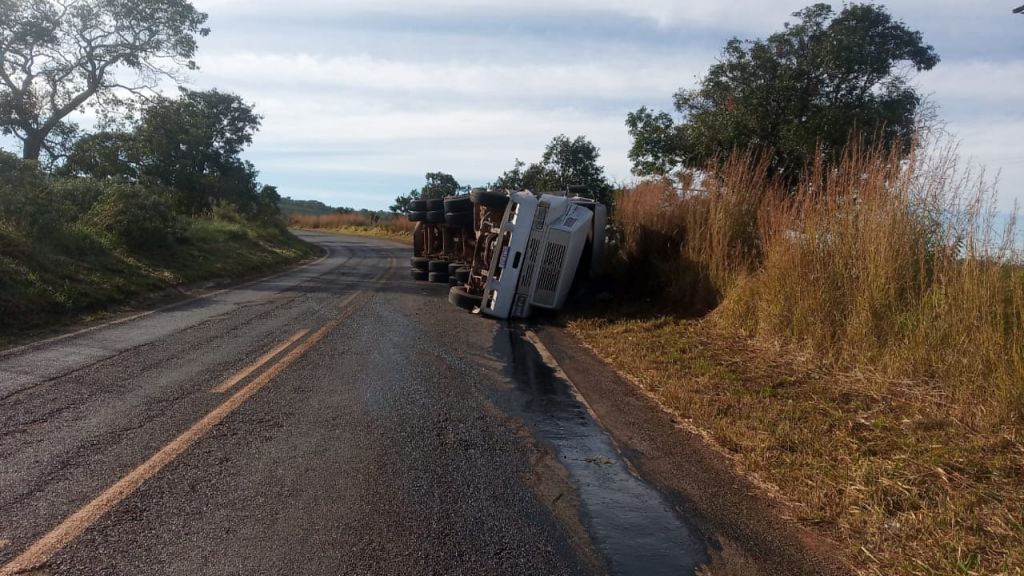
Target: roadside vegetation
column 156, row 196
column 839, row 313
column 856, row 344
column 361, row 223
column 71, row 247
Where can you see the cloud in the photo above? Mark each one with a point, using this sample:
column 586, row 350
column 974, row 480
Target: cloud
column 605, row 80
column 363, row 97
column 976, row 84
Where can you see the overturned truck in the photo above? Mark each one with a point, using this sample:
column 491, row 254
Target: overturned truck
column 506, row 253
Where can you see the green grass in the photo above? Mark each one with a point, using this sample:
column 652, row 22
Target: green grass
column 75, row 274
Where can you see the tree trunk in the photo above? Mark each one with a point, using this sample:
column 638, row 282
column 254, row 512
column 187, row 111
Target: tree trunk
column 33, row 146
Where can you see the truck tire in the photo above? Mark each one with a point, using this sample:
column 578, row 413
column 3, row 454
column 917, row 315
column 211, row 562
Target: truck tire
column 458, row 204
column 417, row 216
column 458, row 219
column 452, row 280
column 439, row 266
column 460, row 297
column 435, row 217
column 435, row 204
column 439, row 277
column 420, row 263
column 489, row 198
column 462, row 275
column 453, row 267
column 418, row 205
column 419, row 274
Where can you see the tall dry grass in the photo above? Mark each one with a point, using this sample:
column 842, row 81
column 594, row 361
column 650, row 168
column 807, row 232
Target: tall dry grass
column 888, row 263
column 397, row 227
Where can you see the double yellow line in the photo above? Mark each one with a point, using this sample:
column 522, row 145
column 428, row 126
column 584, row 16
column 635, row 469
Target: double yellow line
column 71, row 528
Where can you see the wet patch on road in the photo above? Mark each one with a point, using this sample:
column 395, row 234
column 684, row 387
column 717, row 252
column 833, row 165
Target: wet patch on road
column 634, row 527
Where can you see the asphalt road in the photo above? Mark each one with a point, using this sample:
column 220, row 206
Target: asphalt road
column 391, row 434
column 339, row 418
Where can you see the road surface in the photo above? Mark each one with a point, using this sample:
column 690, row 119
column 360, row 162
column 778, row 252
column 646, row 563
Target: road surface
column 338, row 418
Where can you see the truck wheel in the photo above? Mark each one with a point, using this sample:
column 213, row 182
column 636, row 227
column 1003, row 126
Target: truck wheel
column 439, row 277
column 435, row 205
column 489, row 198
column 452, row 280
column 458, row 204
column 420, row 263
column 419, row 274
column 435, row 217
column 453, row 267
column 438, row 266
column 458, row 219
column 462, row 275
column 463, row 299
column 418, row 205
column 416, row 216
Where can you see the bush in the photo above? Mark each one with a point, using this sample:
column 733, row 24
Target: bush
column 42, row 205
column 138, row 217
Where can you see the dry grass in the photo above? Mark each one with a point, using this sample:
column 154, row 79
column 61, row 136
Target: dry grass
column 883, row 467
column 358, row 223
column 864, row 350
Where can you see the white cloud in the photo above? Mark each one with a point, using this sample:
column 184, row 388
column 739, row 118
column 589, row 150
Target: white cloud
column 976, row 82
column 605, row 80
column 400, row 99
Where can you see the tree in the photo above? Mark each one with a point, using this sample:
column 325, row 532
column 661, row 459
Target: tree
column 574, row 162
column 439, row 185
column 403, row 203
column 565, row 162
column 58, row 55
column 191, row 144
column 809, row 87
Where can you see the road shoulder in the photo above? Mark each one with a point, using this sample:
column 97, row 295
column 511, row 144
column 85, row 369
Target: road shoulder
column 747, row 528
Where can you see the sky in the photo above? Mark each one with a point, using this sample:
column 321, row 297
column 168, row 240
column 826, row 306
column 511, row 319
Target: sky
column 360, row 98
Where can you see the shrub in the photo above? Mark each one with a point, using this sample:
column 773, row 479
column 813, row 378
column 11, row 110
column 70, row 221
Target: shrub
column 43, row 205
column 138, row 217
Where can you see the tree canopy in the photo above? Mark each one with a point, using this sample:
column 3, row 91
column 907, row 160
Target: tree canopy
column 808, row 87
column 191, row 144
column 565, row 162
column 58, row 55
column 437, row 185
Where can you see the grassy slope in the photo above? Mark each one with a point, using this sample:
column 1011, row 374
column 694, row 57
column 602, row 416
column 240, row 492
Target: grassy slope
column 884, row 467
column 43, row 284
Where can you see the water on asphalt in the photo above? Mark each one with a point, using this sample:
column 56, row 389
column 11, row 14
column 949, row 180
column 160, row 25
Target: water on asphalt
column 633, row 525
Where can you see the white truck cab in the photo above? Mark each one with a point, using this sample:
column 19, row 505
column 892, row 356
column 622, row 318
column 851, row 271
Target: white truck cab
column 541, row 241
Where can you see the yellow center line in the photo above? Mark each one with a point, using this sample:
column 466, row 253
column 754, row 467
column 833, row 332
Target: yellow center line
column 71, row 528
column 245, row 372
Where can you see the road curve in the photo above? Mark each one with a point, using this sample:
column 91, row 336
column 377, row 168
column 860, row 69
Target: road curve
column 338, row 418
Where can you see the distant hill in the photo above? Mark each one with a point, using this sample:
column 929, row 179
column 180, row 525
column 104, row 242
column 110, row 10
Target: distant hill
column 311, row 207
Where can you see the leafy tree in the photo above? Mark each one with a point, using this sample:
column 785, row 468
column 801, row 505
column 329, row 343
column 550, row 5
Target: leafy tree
column 403, row 202
column 439, row 185
column 814, row 84
column 574, row 162
column 102, row 155
column 58, row 55
column 191, row 144
column 565, row 162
